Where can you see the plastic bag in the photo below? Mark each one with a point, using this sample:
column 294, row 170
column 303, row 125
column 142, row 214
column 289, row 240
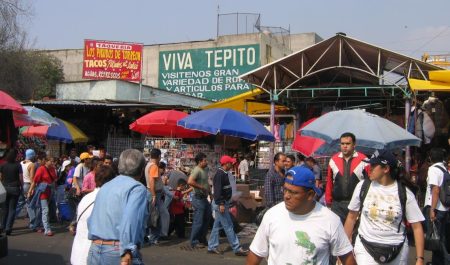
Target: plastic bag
column 154, row 217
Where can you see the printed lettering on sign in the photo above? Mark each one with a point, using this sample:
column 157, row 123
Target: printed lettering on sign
column 210, row 73
column 112, row 60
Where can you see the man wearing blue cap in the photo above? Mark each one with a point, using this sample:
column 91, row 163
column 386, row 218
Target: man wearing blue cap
column 28, row 170
column 299, row 230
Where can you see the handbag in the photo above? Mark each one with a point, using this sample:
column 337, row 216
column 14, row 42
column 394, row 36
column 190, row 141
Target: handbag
column 432, row 238
column 382, row 253
column 73, row 225
column 2, row 193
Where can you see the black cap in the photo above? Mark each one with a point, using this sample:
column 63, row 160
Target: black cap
column 383, row 157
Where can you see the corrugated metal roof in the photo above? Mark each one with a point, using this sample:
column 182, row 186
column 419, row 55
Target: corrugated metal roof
column 103, row 104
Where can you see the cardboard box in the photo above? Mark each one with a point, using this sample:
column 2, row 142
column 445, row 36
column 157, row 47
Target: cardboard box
column 245, row 215
column 244, row 189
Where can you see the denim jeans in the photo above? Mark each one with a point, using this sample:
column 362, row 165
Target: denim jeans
column 164, row 214
column 10, row 211
column 155, row 232
column 340, row 208
column 222, row 220
column 438, row 257
column 201, row 218
column 45, row 217
column 106, row 255
column 33, row 215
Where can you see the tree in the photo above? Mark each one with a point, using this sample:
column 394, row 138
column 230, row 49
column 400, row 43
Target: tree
column 24, row 73
column 49, row 72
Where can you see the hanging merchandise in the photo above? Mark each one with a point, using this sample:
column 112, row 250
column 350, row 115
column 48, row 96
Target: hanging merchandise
column 437, row 112
column 177, row 154
column 424, row 127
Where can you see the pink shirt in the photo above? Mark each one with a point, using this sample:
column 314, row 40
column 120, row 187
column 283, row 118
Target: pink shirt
column 89, row 181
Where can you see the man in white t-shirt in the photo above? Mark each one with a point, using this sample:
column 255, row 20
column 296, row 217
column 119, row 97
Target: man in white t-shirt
column 299, row 230
column 434, row 210
column 80, row 171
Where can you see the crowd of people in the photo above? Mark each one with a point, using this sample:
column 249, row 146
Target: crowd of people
column 360, row 215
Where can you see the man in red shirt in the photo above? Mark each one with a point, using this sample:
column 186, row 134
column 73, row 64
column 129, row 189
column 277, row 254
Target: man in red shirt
column 345, row 170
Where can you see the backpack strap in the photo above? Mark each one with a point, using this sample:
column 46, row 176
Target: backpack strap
column 442, row 169
column 363, row 193
column 402, row 196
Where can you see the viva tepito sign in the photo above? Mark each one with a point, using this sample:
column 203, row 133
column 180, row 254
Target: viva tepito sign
column 210, row 73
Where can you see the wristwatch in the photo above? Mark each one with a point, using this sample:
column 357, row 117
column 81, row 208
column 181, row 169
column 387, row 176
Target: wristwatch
column 420, row 258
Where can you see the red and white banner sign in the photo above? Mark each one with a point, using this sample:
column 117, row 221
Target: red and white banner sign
column 112, row 60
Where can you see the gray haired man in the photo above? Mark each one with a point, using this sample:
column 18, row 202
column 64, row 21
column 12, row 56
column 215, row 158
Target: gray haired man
column 117, row 223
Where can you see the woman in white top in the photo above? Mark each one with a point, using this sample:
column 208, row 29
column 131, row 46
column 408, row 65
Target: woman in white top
column 382, row 217
column 81, row 243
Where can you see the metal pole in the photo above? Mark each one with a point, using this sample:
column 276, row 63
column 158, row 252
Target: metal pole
column 140, row 74
column 272, row 127
column 218, row 17
column 140, row 89
column 407, row 149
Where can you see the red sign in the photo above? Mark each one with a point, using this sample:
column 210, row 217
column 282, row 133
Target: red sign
column 112, row 60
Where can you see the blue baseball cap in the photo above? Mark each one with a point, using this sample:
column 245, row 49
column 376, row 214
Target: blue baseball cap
column 30, row 154
column 303, row 177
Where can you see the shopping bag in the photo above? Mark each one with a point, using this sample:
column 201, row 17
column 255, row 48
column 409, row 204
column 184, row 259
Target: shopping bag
column 2, row 193
column 432, row 238
column 154, row 217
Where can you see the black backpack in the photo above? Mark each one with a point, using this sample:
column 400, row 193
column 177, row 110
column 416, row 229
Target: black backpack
column 444, row 193
column 401, row 194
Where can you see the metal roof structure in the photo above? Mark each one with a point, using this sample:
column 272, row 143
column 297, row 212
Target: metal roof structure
column 102, row 104
column 339, row 67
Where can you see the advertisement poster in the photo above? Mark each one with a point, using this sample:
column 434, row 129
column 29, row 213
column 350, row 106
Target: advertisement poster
column 112, row 60
column 210, row 73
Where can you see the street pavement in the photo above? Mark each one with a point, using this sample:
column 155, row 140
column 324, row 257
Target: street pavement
column 27, row 247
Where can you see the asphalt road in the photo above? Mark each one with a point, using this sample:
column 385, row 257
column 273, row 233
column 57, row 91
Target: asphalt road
column 26, row 247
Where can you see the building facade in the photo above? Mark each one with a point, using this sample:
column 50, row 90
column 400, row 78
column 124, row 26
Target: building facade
column 206, row 69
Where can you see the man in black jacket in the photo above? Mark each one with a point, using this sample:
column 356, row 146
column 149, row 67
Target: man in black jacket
column 220, row 205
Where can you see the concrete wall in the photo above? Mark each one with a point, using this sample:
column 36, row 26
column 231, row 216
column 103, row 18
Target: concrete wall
column 72, row 59
column 304, row 40
column 87, row 90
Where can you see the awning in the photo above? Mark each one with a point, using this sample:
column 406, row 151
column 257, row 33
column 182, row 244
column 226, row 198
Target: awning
column 439, row 82
column 246, row 103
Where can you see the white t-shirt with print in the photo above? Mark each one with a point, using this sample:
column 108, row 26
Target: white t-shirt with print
column 435, row 177
column 288, row 238
column 382, row 213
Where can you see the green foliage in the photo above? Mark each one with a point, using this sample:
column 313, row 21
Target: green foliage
column 49, row 72
column 25, row 74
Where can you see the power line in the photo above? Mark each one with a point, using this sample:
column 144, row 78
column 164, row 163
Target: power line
column 428, row 42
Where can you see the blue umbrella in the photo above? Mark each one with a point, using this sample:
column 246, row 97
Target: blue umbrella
column 227, row 122
column 371, row 131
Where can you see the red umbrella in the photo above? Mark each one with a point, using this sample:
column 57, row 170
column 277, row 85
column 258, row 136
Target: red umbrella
column 305, row 144
column 7, row 102
column 164, row 123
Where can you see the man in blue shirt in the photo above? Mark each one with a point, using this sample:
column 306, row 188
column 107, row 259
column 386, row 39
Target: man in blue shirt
column 117, row 223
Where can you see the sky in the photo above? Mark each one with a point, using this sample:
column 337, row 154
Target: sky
column 410, row 27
